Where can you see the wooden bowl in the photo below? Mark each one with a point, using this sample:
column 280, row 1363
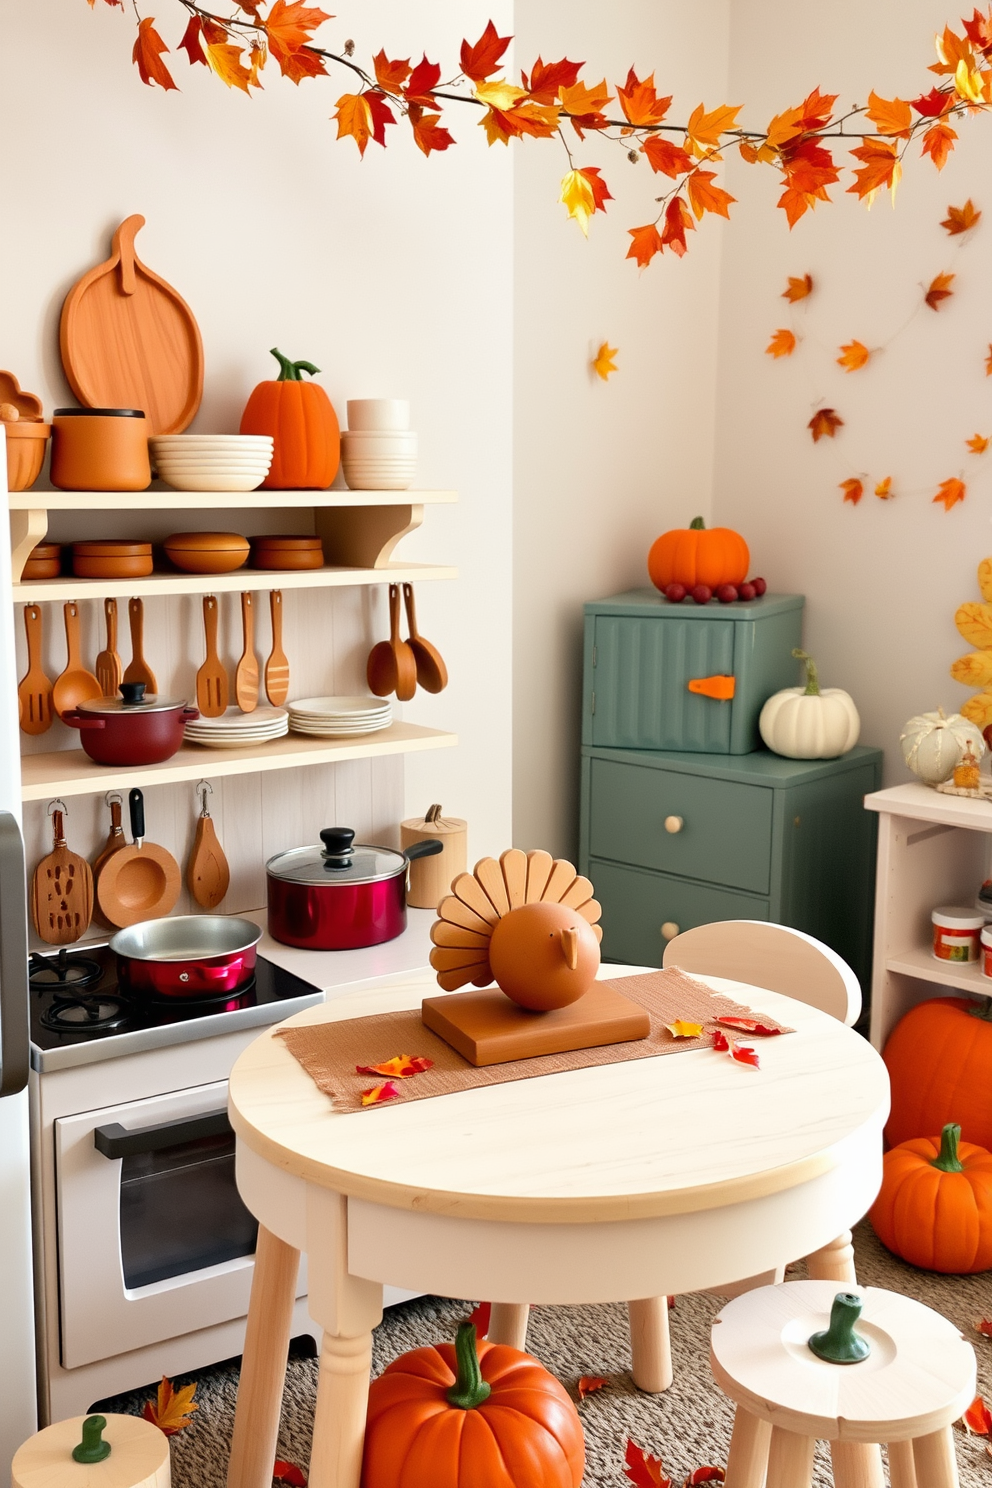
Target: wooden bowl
column 207, row 552
column 45, row 562
column 286, row 553
column 111, row 560
column 26, row 443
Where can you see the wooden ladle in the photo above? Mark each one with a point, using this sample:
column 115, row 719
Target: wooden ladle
column 432, row 674
column 61, row 889
column 142, row 881
column 76, row 685
column 392, row 666
column 35, row 691
column 208, row 875
column 138, row 669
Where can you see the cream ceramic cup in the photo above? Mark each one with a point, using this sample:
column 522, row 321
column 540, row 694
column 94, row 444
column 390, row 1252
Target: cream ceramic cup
column 375, row 415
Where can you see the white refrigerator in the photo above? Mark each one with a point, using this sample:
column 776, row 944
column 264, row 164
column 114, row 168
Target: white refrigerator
column 18, row 1390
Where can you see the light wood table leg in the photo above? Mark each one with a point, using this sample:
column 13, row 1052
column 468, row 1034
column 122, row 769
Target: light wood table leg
column 747, row 1461
column 902, row 1467
column 936, row 1464
column 508, row 1324
column 342, row 1405
column 835, row 1262
column 790, row 1460
column 263, row 1364
column 856, row 1465
column 650, row 1344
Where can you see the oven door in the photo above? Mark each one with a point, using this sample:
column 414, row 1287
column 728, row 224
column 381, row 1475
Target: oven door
column 154, row 1240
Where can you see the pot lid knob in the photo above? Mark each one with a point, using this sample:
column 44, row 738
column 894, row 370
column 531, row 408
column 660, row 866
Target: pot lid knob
column 337, row 846
column 132, row 693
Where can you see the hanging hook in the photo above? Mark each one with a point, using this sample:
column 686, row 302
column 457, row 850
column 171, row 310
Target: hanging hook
column 57, row 805
column 113, row 797
column 204, row 789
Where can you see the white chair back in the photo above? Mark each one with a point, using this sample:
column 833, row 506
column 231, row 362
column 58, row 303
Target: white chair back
column 773, row 956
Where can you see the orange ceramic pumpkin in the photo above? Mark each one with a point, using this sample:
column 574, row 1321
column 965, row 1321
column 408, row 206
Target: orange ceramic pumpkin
column 303, row 425
column 934, row 1208
column 698, row 555
column 483, row 1415
column 939, row 1058
column 544, row 955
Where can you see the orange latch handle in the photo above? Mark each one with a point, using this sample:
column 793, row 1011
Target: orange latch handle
column 721, row 688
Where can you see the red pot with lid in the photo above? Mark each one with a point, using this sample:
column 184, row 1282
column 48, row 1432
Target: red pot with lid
column 133, row 729
column 342, row 895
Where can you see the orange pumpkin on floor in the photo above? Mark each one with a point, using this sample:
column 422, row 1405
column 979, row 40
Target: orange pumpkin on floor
column 465, row 1413
column 698, row 555
column 934, row 1208
column 939, row 1058
column 303, row 425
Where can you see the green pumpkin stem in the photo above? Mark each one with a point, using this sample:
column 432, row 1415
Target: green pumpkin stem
column 812, row 676
column 697, row 525
column 840, row 1344
column 982, row 1009
column 469, row 1389
column 947, row 1159
column 290, row 371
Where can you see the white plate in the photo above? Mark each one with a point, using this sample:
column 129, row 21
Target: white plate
column 210, row 441
column 365, row 704
column 337, row 733
column 233, row 716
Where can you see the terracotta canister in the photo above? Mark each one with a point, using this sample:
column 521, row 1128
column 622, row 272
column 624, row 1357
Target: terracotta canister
column 94, row 1452
column 112, row 560
column 26, row 443
column 100, row 449
column 45, row 562
column 430, row 878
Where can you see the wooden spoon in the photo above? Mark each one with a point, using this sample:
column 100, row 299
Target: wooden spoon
column 277, row 666
column 392, row 666
column 142, row 881
column 114, row 843
column 35, row 691
column 208, row 875
column 246, row 675
column 211, row 680
column 432, row 674
column 76, row 684
column 109, row 668
column 139, row 670
column 61, row 891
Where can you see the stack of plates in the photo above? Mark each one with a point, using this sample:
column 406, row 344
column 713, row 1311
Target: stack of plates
column 237, row 730
column 212, row 462
column 338, row 717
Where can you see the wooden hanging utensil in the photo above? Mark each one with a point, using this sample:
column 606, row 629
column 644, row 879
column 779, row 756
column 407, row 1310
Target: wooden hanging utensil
column 34, row 694
column 61, row 889
column 277, row 666
column 76, row 685
column 211, row 680
column 142, row 881
column 115, row 842
column 432, row 674
column 392, row 666
column 109, row 667
column 138, row 669
column 246, row 676
column 208, row 875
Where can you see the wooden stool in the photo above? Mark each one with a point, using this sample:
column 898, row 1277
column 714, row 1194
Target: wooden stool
column 112, row 1452
column 917, row 1378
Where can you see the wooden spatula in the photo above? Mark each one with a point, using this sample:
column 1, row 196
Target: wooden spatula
column 76, row 684
column 35, row 691
column 277, row 666
column 246, row 676
column 109, row 668
column 211, row 679
column 139, row 670
column 61, row 891
column 208, row 875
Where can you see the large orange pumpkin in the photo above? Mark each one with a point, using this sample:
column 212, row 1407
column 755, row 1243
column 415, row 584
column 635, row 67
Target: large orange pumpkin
column 485, row 1415
column 939, row 1058
column 698, row 555
column 935, row 1205
column 303, row 425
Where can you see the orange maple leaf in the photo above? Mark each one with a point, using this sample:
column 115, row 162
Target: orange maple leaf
column 705, row 197
column 400, row 1067
column 984, row 1325
column 890, row 115
column 978, row 1418
column 951, row 49
column 678, row 220
column 589, row 1384
column 290, row 29
column 171, row 1409
column 825, row 422
column 798, row 289
column 938, row 142
column 853, row 489
column 548, row 79
column 853, row 355
column 961, row 219
column 748, row 152
column 354, row 118
column 640, row 102
column 427, row 130
column 950, row 492
column 390, row 75
column 603, row 364
column 881, row 169
column 225, row 60
column 782, row 344
column 704, row 129
column 643, row 1470
column 647, row 242
column 666, row 158
column 585, row 106
column 482, row 60
column 884, row 489
column 147, row 56
column 378, row 1093
column 784, row 127
column 978, row 444
column 940, row 289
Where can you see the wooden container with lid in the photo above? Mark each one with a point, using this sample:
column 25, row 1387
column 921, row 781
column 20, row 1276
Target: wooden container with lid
column 94, row 1452
column 283, row 552
column 207, row 552
column 430, row 878
column 111, row 560
column 44, row 562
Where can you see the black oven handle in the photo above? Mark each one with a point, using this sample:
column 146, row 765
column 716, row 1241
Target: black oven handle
column 116, row 1141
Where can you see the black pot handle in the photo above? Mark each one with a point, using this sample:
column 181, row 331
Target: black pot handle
column 426, row 849
column 136, row 810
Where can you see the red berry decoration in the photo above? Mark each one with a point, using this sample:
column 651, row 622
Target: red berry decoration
column 759, row 586
column 727, row 593
column 702, row 594
column 675, row 592
column 747, row 591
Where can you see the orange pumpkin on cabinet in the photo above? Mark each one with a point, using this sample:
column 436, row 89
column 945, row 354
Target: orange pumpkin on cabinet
column 304, row 428
column 939, row 1059
column 544, row 956
column 698, row 555
column 934, row 1208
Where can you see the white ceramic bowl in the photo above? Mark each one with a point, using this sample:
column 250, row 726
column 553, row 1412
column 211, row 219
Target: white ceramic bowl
column 196, row 479
column 211, row 441
column 229, row 462
column 368, row 414
column 388, row 441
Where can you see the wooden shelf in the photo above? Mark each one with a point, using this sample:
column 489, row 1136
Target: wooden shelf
column 164, row 498
column 37, row 591
column 925, row 966
column 72, row 772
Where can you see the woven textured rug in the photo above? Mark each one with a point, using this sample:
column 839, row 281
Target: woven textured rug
column 687, row 1426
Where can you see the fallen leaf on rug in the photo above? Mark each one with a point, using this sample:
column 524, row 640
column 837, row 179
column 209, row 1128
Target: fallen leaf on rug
column 589, row 1384
column 705, row 1475
column 288, row 1472
column 748, row 1025
column 480, row 1316
column 384, row 1092
column 683, row 1029
column 400, row 1067
column 643, row 1470
column 984, row 1325
column 171, row 1409
column 978, row 1418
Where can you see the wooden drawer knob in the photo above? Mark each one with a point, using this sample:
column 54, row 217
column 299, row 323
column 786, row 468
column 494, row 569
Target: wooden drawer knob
column 674, row 824
column 669, row 930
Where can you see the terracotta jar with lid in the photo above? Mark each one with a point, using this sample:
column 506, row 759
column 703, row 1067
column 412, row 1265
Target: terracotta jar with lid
column 100, row 449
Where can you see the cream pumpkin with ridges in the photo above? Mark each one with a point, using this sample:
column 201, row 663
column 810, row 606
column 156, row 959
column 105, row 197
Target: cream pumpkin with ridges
column 810, row 722
column 933, row 743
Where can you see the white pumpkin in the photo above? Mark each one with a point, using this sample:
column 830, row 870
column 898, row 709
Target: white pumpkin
column 807, row 723
column 932, row 744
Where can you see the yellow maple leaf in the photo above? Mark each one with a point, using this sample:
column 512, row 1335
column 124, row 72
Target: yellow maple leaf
column 499, row 94
column 950, row 492
column 354, row 117
column 225, row 61
column 968, row 82
column 978, row 709
column 978, row 444
column 853, row 355
column 783, row 343
column 171, row 1409
column 704, row 129
column 884, row 489
column 602, row 363
column 577, row 198
column 683, row 1029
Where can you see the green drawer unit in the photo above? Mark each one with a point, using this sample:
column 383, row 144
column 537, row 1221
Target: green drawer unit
column 750, row 836
column 642, row 651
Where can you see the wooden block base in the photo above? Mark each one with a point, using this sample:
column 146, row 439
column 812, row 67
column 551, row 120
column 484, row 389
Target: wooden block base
column 487, row 1028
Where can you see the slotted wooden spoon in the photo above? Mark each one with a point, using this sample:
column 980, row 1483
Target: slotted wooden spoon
column 138, row 669
column 61, row 889
column 109, row 667
column 277, row 666
column 35, row 691
column 211, row 679
column 392, row 666
column 432, row 674
column 76, row 685
column 208, row 875
column 246, row 675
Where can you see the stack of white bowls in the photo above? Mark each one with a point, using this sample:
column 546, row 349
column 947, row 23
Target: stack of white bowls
column 378, row 451
column 339, row 717
column 212, row 462
column 237, row 730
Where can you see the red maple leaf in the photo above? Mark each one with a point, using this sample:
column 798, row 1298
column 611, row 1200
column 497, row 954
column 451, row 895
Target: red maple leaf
column 382, row 115
column 824, row 423
column 147, row 56
column 427, row 130
column 978, row 1418
column 677, row 219
column 931, row 105
column 548, row 78
column 482, row 60
column 589, row 1384
column 288, row 1472
column 190, row 43
column 423, row 79
column 665, row 157
column 705, row 1475
column 643, row 1470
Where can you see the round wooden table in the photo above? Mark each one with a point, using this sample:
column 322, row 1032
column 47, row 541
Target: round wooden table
column 617, row 1183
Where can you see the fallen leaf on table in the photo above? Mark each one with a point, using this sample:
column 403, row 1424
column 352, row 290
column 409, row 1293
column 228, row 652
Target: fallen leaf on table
column 171, row 1409
column 387, row 1091
column 825, row 422
column 853, row 489
column 681, row 1029
column 884, row 489
column 288, row 1472
column 950, row 492
column 984, row 1325
column 853, row 356
column 720, row 1041
column 749, row 1025
column 643, row 1470
column 480, row 1316
column 978, row 444
column 978, row 1418
column 783, row 343
column 961, row 219
column 589, row 1384
column 705, row 1475
column 798, row 289
column 741, row 1054
column 603, row 363
column 940, row 289
column 400, row 1067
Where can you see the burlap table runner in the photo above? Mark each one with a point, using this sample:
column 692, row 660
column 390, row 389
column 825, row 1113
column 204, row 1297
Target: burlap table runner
column 329, row 1052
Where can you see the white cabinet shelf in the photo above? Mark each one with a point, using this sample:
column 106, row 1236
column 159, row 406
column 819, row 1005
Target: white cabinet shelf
column 37, row 591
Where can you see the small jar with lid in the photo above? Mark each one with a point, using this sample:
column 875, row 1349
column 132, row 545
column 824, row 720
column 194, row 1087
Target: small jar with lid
column 100, row 449
column 956, row 933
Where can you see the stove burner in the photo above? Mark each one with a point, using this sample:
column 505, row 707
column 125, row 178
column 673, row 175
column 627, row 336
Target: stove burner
column 63, row 973
column 82, row 1014
column 189, row 1006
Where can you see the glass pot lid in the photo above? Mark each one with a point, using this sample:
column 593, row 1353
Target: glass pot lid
column 133, row 699
column 341, row 860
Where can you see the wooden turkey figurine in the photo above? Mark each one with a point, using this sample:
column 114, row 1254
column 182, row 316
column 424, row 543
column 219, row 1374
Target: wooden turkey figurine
column 529, row 923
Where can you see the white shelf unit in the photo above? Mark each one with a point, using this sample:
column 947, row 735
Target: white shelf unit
column 933, row 849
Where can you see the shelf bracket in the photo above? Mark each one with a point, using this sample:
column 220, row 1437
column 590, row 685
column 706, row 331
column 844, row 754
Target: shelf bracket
column 27, row 529
column 364, row 536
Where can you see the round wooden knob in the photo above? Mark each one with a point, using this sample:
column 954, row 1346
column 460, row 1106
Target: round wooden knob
column 669, row 930
column 674, row 824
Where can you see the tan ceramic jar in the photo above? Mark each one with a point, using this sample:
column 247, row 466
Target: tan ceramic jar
column 100, row 449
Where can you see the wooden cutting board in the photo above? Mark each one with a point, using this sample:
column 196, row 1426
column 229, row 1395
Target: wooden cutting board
column 128, row 340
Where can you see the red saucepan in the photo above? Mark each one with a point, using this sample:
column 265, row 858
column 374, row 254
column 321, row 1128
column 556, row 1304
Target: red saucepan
column 187, row 956
column 131, row 729
column 342, row 896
